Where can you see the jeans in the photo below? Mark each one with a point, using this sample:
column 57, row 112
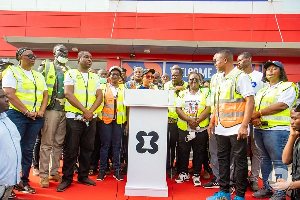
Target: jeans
column 199, row 145
column 270, row 145
column 238, row 148
column 111, row 135
column 36, row 152
column 78, row 137
column 172, row 142
column 28, row 129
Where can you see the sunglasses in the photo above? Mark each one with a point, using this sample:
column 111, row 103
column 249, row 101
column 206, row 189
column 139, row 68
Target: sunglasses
column 297, row 108
column 194, row 79
column 150, row 77
column 31, row 56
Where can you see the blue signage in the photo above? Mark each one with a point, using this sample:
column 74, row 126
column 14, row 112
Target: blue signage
column 206, row 69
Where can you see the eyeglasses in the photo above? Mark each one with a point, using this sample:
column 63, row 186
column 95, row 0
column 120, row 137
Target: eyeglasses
column 112, row 74
column 31, row 56
column 194, row 79
column 150, row 77
column 297, row 108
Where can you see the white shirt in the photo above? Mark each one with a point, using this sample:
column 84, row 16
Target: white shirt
column 10, row 156
column 257, row 83
column 69, row 81
column 288, row 97
column 243, row 87
column 190, row 103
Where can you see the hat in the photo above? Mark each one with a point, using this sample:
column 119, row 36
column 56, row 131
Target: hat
column 276, row 63
column 115, row 68
column 5, row 61
column 145, row 71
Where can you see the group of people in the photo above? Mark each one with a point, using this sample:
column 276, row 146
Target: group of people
column 83, row 114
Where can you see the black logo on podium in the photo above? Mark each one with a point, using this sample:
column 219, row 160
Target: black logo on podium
column 140, row 146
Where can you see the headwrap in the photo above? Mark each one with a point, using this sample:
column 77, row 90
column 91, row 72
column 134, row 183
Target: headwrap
column 20, row 51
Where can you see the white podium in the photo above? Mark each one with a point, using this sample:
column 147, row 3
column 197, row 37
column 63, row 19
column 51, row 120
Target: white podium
column 147, row 145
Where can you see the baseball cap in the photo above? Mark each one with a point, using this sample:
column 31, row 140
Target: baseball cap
column 145, row 71
column 115, row 68
column 5, row 61
column 276, row 63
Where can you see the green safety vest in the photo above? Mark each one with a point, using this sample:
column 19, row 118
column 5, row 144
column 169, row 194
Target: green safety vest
column 29, row 93
column 263, row 100
column 204, row 92
column 121, row 108
column 50, row 77
column 172, row 110
column 85, row 95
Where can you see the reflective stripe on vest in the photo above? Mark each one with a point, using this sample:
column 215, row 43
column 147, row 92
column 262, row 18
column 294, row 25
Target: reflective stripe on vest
column 50, row 77
column 266, row 98
column 230, row 106
column 204, row 92
column 86, row 95
column 29, row 93
column 172, row 110
column 108, row 105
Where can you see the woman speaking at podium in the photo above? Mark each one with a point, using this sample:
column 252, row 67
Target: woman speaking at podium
column 193, row 112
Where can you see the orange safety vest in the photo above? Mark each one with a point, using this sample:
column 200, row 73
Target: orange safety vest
column 113, row 109
column 230, row 106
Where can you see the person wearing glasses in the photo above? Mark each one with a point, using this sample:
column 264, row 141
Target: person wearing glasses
column 54, row 131
column 291, row 154
column 176, row 84
column 147, row 79
column 233, row 101
column 137, row 78
column 271, row 120
column 113, row 115
column 28, row 96
column 193, row 119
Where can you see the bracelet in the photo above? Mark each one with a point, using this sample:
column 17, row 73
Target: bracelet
column 26, row 112
column 29, row 114
column 260, row 112
column 290, row 186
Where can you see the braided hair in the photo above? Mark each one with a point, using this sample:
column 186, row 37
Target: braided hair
column 20, row 51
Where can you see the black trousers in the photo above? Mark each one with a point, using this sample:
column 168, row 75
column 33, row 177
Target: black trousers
column 198, row 144
column 239, row 152
column 172, row 141
column 78, row 137
column 95, row 157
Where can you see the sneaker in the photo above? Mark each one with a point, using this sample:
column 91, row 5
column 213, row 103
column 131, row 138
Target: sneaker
column 101, row 175
column 12, row 195
column 118, row 175
column 86, row 181
column 28, row 189
column 171, row 173
column 63, row 186
column 263, row 193
column 196, row 180
column 254, row 186
column 278, row 197
column 182, row 177
column 44, row 182
column 56, row 177
column 35, row 172
column 220, row 195
column 239, row 198
column 212, row 184
column 206, row 175
column 231, row 189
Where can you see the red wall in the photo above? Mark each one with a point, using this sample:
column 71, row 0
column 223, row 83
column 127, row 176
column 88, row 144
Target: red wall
column 155, row 26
